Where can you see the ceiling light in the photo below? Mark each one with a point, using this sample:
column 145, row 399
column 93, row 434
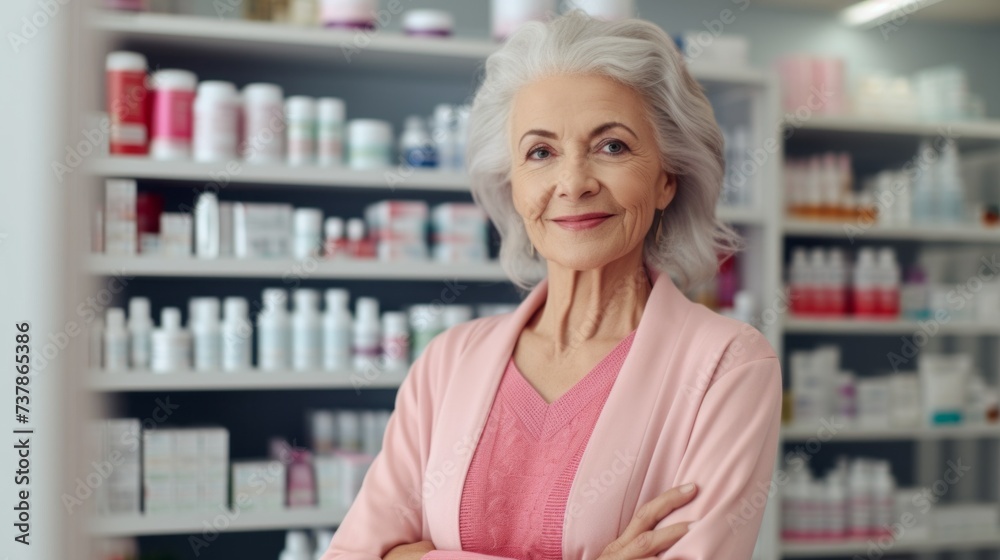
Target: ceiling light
column 869, row 13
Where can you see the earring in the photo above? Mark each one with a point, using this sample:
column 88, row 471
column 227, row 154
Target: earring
column 659, row 227
column 531, row 249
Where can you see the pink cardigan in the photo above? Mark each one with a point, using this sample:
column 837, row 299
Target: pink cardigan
column 697, row 400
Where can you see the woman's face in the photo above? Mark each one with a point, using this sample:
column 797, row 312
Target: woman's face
column 582, row 144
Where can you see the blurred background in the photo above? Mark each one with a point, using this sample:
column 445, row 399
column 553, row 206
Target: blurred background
column 229, row 226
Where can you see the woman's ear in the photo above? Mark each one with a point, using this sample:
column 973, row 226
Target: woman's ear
column 667, row 190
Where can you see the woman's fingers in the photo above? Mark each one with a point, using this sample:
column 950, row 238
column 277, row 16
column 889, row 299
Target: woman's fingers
column 653, row 511
column 654, row 542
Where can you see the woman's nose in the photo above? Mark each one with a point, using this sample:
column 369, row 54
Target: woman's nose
column 575, row 179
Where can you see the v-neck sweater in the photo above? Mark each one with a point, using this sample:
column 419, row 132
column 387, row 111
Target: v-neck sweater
column 515, row 494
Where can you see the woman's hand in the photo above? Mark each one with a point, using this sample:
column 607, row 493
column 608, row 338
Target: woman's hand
column 410, row 551
column 639, row 540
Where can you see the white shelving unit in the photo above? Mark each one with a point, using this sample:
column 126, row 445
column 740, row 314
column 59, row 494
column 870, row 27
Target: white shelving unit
column 860, row 326
column 805, row 433
column 281, row 268
column 218, row 520
column 250, row 380
column 864, row 134
column 902, row 546
column 861, row 233
column 272, row 45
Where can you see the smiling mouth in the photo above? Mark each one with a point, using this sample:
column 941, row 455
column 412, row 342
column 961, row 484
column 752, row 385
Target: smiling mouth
column 582, row 222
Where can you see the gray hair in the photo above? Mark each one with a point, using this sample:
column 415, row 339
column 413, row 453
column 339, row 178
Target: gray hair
column 642, row 56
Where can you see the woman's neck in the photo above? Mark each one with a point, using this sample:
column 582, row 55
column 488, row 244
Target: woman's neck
column 601, row 304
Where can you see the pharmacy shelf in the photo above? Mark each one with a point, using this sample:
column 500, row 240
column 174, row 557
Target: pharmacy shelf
column 982, row 129
column 250, row 380
column 856, row 326
column 190, row 267
column 457, row 57
column 226, row 174
column 853, row 232
column 950, row 543
column 213, row 520
column 840, row 432
column 273, row 41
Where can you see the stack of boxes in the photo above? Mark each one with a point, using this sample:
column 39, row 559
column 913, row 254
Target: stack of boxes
column 118, row 448
column 259, row 486
column 184, row 470
column 459, row 233
column 399, row 229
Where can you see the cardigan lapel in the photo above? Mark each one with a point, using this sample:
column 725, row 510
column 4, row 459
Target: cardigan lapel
column 464, row 411
column 605, row 490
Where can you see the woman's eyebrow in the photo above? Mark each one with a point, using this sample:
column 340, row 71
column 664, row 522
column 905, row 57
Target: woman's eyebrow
column 609, row 125
column 600, row 129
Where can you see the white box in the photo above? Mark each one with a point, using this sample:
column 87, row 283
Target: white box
column 262, row 230
column 120, row 226
column 176, row 233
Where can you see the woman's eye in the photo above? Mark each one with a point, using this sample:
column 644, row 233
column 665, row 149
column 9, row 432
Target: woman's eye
column 539, row 153
column 615, row 147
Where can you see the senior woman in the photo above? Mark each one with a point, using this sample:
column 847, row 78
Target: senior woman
column 607, row 416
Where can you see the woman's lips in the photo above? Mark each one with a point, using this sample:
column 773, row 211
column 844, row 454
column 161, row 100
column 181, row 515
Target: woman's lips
column 577, row 225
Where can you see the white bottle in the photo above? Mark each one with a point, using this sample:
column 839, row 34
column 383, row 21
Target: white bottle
column 171, row 344
column 416, row 148
column 96, row 344
column 206, row 226
column 456, row 315
column 443, row 136
column 206, row 334
column 216, row 122
column 836, row 507
column 307, row 331
column 331, row 112
column 859, row 501
column 461, row 138
column 140, row 331
column 115, row 340
column 951, row 189
column 308, row 231
column 798, row 280
column 237, row 335
column 338, row 331
column 395, row 341
column 300, row 111
column 924, row 196
column 883, row 488
column 272, row 331
column 263, row 123
column 865, row 288
column 818, row 274
column 367, row 334
column 296, row 546
column 888, row 282
column 323, row 538
column 836, row 282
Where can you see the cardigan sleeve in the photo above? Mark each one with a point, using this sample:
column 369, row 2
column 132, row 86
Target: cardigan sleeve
column 730, row 456
column 388, row 510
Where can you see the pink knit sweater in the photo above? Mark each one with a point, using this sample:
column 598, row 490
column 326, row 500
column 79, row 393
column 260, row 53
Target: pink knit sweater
column 515, row 494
